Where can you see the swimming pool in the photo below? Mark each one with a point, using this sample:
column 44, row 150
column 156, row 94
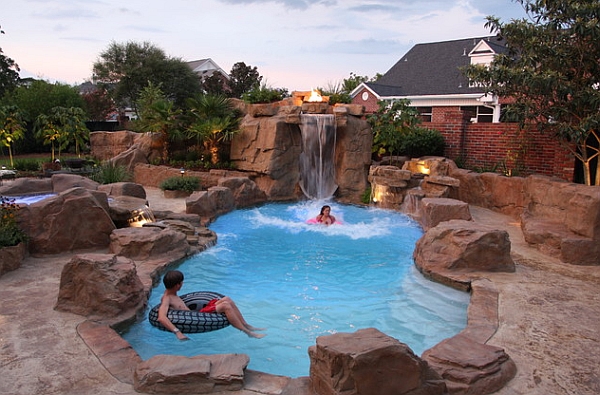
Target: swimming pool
column 302, row 281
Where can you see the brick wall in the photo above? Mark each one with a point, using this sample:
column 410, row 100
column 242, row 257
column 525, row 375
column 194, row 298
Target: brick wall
column 489, row 145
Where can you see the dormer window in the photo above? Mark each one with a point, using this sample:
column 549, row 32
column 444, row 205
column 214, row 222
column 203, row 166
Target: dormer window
column 482, row 53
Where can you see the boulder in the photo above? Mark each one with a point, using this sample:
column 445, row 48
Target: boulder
column 368, row 362
column 64, row 222
column 62, row 182
column 270, row 146
column 11, row 257
column 123, row 208
column 437, row 210
column 149, row 242
column 107, row 145
column 130, row 158
column 470, row 368
column 458, row 247
column 100, row 285
column 124, row 189
column 202, row 374
column 210, row 204
column 245, row 191
column 26, row 186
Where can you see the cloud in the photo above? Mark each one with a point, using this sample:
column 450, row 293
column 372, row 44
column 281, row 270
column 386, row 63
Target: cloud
column 369, row 46
column 293, row 4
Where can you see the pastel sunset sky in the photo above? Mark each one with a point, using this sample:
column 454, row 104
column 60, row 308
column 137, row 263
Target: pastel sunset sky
column 295, row 44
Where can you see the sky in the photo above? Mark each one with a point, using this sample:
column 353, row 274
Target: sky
column 294, row 44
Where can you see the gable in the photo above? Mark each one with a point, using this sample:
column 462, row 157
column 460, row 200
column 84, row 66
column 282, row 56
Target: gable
column 206, row 67
column 435, row 68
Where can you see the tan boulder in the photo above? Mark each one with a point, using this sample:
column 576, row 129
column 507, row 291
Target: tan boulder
column 210, row 204
column 245, row 191
column 100, row 285
column 122, row 208
column 368, row 362
column 202, row 374
column 124, row 189
column 26, row 186
column 149, row 243
column 470, row 368
column 62, row 182
column 64, row 222
column 437, row 210
column 268, row 145
column 454, row 248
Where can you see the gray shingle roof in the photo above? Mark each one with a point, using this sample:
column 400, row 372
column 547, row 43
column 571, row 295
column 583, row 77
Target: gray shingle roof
column 433, row 69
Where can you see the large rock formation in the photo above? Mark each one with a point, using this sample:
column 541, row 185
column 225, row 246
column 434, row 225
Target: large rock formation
column 100, row 285
column 454, row 248
column 72, row 220
column 563, row 219
column 210, row 204
column 149, row 242
column 270, row 144
column 202, row 374
column 436, row 210
column 469, row 367
column 108, row 145
column 245, row 191
column 368, row 362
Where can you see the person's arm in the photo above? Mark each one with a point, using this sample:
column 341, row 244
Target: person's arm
column 165, row 321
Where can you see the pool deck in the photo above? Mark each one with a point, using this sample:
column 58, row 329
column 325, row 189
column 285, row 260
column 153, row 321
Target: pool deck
column 549, row 315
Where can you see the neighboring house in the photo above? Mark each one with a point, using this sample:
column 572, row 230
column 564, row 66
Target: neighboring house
column 206, row 67
column 430, row 76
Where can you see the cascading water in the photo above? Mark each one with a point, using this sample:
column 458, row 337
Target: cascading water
column 317, row 168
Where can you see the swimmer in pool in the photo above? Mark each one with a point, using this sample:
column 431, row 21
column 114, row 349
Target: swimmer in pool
column 325, row 216
column 173, row 281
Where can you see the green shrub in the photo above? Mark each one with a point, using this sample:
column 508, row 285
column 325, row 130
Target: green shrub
column 27, row 164
column 109, row 173
column 188, row 184
column 366, row 196
column 10, row 233
column 423, row 142
column 264, row 94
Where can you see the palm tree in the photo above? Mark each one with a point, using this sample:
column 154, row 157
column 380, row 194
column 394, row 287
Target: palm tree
column 158, row 114
column 213, row 121
column 48, row 130
column 72, row 123
column 11, row 128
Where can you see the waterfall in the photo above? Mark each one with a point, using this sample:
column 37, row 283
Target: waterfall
column 317, row 167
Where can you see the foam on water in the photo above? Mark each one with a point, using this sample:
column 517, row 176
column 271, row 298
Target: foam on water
column 303, row 281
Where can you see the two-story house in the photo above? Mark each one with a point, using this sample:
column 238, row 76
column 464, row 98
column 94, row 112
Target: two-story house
column 431, row 77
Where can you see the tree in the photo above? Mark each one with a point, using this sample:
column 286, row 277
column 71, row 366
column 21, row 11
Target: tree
column 62, row 126
column 125, row 69
column 158, row 114
column 213, row 121
column 71, row 122
column 242, row 79
column 11, row 128
column 98, row 104
column 9, row 72
column 552, row 73
column 39, row 98
column 390, row 124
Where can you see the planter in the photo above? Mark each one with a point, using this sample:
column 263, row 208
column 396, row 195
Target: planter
column 11, row 257
column 174, row 194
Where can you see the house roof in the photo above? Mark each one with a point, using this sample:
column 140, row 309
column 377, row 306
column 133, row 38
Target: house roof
column 206, row 67
column 435, row 68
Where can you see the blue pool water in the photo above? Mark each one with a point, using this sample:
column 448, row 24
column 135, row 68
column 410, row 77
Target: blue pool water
column 302, row 281
column 30, row 199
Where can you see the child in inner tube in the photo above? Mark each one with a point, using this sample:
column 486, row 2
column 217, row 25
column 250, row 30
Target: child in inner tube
column 325, row 216
column 173, row 281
